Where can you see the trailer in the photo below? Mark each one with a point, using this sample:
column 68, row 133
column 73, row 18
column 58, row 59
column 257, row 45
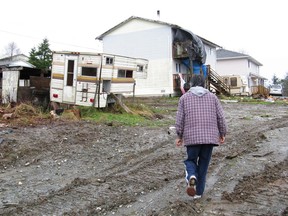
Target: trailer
column 93, row 79
column 238, row 84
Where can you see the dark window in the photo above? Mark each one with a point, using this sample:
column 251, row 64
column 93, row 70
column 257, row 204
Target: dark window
column 125, row 73
column 109, row 61
column 70, row 73
column 87, row 71
column 140, row 68
column 233, row 81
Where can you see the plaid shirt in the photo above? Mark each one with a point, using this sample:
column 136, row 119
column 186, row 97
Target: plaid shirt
column 200, row 119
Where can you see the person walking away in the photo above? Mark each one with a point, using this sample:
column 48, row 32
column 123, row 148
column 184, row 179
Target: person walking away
column 200, row 125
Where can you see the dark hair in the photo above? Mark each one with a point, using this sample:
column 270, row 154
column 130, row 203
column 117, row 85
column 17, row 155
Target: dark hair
column 186, row 87
column 197, row 80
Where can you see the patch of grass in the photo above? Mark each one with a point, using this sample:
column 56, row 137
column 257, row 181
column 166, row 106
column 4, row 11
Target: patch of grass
column 142, row 115
column 247, row 99
column 24, row 114
column 106, row 116
column 145, row 112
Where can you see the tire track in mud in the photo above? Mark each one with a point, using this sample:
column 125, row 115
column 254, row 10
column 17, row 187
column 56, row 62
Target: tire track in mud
column 254, row 189
column 242, row 189
column 150, row 181
column 109, row 190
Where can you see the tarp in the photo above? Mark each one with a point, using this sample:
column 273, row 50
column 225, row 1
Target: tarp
column 197, row 67
column 196, row 50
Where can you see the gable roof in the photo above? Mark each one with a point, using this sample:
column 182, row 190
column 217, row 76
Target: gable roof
column 223, row 54
column 100, row 37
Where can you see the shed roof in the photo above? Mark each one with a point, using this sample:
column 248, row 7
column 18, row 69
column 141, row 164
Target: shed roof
column 20, row 63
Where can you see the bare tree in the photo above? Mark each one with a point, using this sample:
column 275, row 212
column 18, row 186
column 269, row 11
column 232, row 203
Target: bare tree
column 12, row 49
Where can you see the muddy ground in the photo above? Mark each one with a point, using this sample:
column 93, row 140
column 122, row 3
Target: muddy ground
column 87, row 168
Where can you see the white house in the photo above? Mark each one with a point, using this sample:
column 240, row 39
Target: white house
column 239, row 71
column 170, row 49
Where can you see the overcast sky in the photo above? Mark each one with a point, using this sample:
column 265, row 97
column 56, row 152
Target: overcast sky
column 256, row 27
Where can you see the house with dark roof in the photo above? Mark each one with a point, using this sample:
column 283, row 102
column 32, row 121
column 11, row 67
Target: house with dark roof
column 240, row 71
column 174, row 53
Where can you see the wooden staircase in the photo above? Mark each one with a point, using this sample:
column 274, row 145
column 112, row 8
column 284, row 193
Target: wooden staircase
column 215, row 83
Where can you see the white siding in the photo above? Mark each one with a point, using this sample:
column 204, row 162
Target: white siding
column 211, row 58
column 9, row 86
column 254, row 68
column 146, row 40
column 232, row 67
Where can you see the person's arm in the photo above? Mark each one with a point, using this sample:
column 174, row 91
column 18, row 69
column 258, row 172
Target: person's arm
column 221, row 122
column 222, row 139
column 179, row 142
column 179, row 123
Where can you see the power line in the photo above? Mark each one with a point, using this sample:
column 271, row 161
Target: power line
column 55, row 42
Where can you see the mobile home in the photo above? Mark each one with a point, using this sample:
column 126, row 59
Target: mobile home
column 238, row 84
column 91, row 79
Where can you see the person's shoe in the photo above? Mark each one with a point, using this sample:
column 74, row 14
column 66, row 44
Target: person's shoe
column 197, row 197
column 191, row 188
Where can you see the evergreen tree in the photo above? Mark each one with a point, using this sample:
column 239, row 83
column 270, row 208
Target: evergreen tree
column 41, row 57
column 275, row 80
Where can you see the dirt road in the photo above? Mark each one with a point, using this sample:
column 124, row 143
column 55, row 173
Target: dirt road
column 85, row 168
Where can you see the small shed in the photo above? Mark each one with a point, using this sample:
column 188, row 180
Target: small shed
column 20, row 81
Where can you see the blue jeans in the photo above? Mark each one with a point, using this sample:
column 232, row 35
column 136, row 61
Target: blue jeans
column 198, row 158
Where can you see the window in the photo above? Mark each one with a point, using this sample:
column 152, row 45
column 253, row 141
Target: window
column 70, row 73
column 249, row 64
column 233, row 81
column 109, row 60
column 140, row 68
column 88, row 71
column 125, row 73
column 178, row 68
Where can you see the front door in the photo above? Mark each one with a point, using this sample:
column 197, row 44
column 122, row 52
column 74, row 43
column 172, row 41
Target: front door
column 70, row 79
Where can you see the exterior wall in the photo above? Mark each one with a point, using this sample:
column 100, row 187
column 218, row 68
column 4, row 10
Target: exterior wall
column 254, row 68
column 10, row 86
column 232, row 67
column 147, row 40
column 211, row 58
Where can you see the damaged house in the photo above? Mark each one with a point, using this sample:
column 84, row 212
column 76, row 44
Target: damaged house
column 174, row 54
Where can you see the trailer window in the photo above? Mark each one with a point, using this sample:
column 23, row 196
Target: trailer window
column 70, row 73
column 87, row 71
column 109, row 60
column 125, row 73
column 140, row 68
column 233, row 81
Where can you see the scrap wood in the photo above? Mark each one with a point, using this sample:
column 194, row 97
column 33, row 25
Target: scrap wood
column 121, row 104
